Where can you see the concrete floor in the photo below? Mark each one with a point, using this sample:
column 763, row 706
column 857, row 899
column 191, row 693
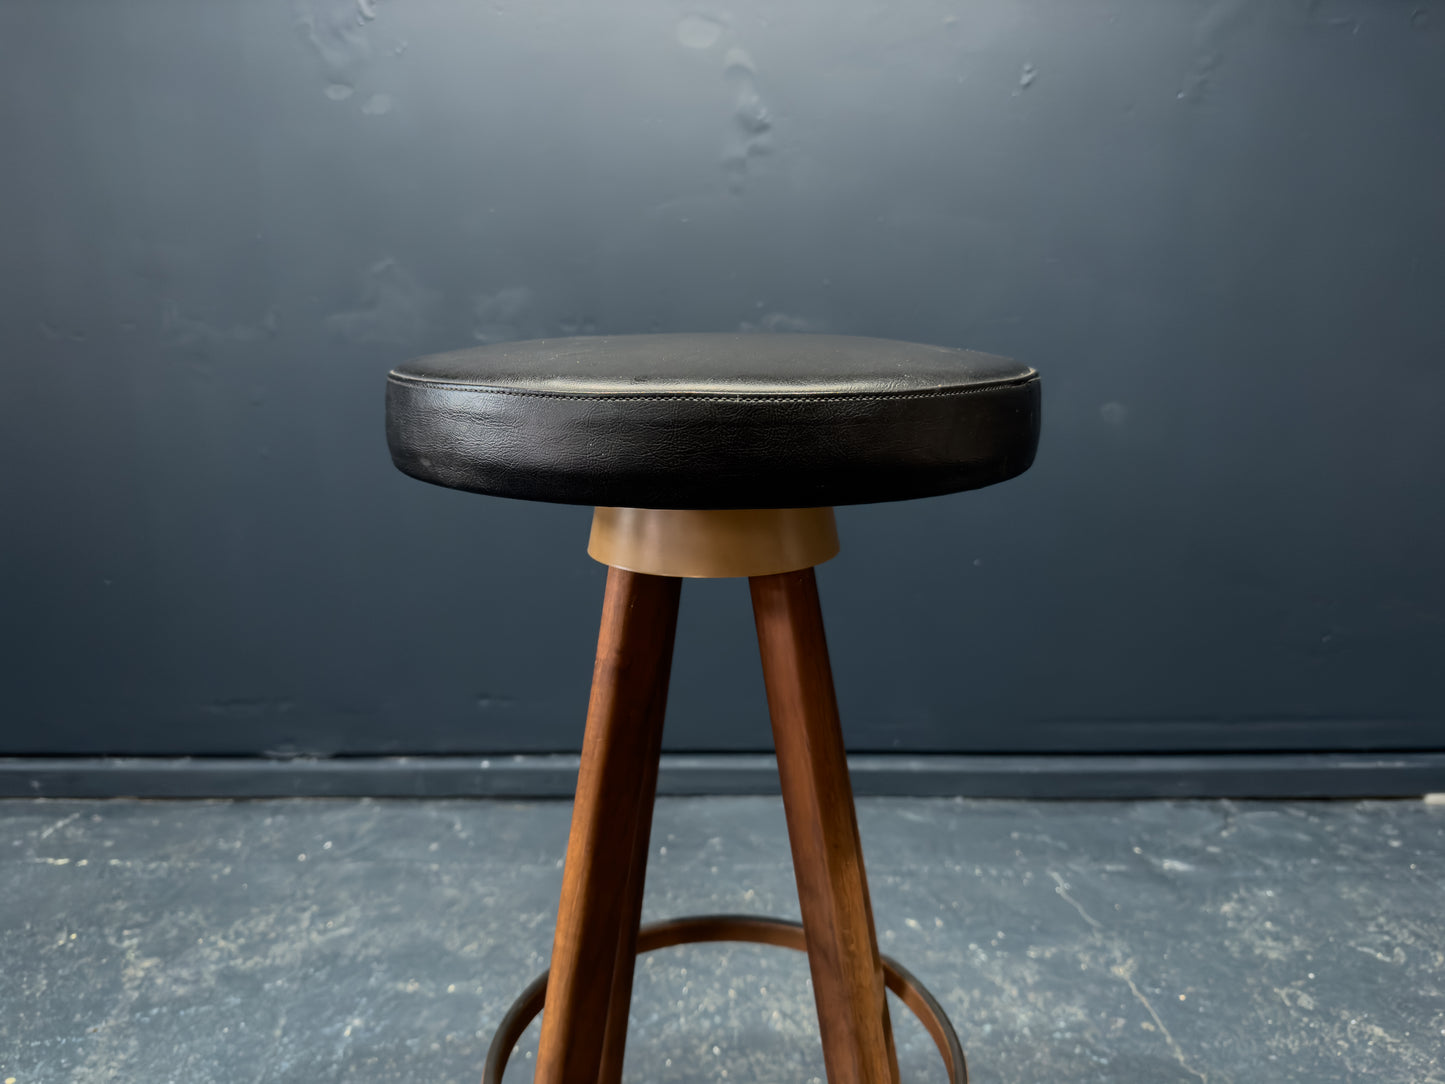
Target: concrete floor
column 312, row 941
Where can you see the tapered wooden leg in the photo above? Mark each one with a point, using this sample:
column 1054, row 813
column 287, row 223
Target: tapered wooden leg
column 619, row 757
column 614, row 1044
column 848, row 981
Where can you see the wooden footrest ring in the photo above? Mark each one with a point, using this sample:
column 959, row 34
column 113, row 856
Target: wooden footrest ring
column 747, row 928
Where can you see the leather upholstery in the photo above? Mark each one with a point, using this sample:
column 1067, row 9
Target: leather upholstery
column 713, row 421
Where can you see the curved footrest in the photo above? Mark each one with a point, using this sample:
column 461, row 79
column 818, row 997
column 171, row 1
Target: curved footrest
column 748, row 928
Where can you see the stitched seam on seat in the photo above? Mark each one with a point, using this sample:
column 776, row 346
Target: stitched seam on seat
column 742, row 397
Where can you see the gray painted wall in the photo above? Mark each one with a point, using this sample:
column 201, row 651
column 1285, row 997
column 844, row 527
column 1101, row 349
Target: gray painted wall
column 1218, row 229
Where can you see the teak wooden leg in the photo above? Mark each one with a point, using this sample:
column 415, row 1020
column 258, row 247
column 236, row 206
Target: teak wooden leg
column 848, row 980
column 614, row 1044
column 607, row 848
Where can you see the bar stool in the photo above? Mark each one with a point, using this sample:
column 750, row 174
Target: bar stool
column 710, row 456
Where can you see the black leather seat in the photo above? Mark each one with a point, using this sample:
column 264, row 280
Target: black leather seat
column 713, row 421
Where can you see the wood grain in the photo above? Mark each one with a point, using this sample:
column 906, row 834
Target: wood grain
column 848, row 980
column 599, row 908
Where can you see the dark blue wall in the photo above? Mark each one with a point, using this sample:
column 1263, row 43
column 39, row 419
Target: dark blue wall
column 1218, row 230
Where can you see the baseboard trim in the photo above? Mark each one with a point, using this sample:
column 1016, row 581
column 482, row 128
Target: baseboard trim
column 1281, row 775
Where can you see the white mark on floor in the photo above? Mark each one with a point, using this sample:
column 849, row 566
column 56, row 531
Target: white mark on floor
column 1062, row 888
column 46, row 833
column 1125, row 971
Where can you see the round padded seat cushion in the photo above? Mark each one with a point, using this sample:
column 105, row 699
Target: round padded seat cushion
column 713, row 421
